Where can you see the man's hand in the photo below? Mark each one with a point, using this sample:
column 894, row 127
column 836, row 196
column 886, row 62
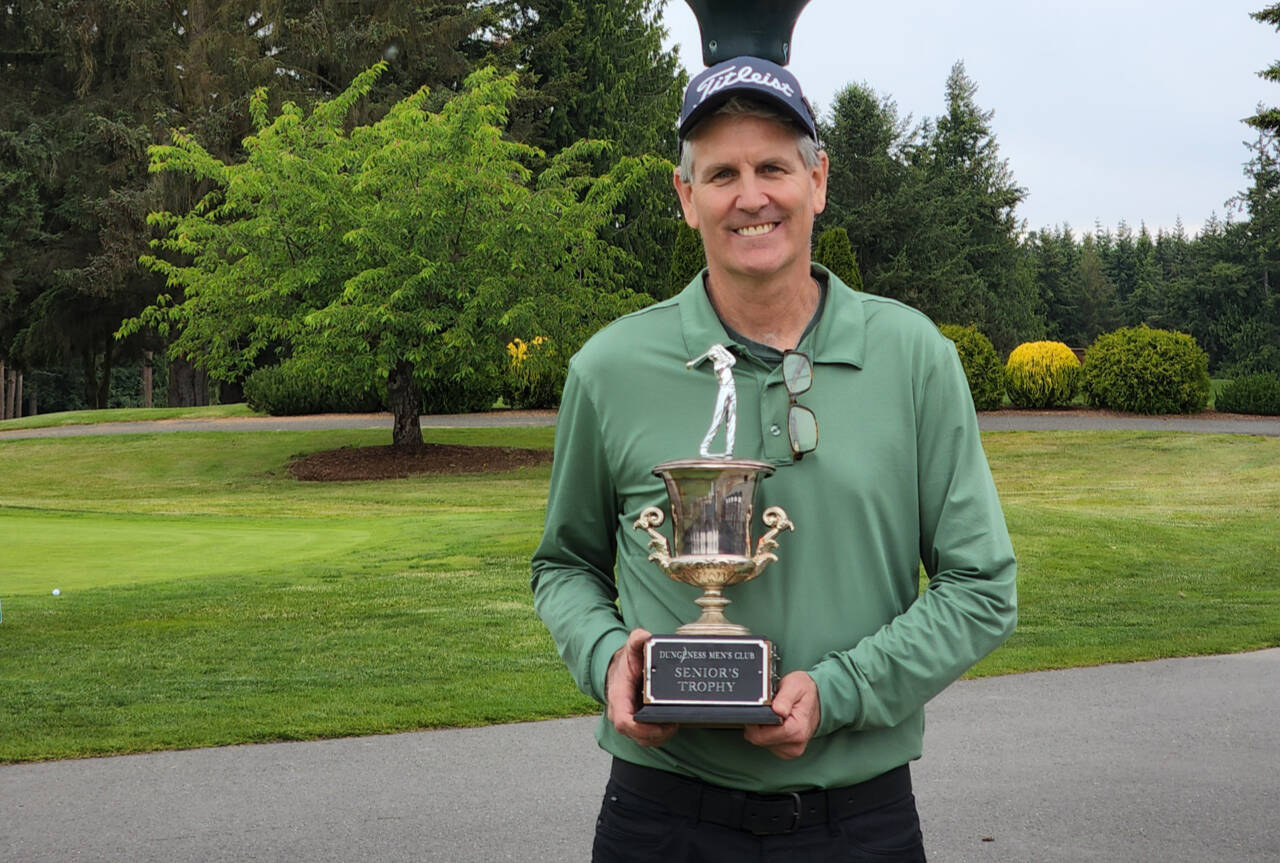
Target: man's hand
column 796, row 701
column 622, row 694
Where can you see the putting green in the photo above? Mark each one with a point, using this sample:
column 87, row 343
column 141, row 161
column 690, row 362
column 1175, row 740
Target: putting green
column 46, row 549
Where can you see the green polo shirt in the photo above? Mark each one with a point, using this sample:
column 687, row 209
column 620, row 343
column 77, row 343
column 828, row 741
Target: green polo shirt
column 899, row 478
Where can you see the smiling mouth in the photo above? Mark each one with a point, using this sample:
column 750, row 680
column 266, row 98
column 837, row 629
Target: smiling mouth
column 755, row 230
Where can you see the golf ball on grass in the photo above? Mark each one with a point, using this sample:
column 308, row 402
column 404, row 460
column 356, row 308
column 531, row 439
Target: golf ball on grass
column 56, row 592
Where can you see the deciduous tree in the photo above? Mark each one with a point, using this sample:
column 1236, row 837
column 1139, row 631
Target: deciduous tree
column 408, row 251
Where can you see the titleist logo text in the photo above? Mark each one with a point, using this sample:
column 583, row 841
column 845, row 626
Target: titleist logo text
column 736, row 75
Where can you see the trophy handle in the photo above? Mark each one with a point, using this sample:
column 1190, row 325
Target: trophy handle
column 775, row 518
column 650, row 519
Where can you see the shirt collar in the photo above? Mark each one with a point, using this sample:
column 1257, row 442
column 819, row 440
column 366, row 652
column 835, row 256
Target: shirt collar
column 839, row 337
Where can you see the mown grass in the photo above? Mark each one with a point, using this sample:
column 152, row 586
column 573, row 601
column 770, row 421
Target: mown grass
column 1139, row 545
column 117, row 415
column 208, row 598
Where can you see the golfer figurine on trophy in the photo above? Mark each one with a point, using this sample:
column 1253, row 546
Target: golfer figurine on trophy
column 712, row 671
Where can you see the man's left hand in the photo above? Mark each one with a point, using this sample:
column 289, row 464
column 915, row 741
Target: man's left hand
column 796, row 701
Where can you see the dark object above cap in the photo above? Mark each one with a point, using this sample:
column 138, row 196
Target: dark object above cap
column 751, row 28
column 753, row 78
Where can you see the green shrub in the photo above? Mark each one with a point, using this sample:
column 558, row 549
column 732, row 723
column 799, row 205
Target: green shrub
column 981, row 363
column 1252, row 394
column 293, row 388
column 1042, row 375
column 1147, row 371
column 478, row 391
column 1261, row 359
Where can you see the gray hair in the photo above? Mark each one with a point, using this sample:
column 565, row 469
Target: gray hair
column 738, row 106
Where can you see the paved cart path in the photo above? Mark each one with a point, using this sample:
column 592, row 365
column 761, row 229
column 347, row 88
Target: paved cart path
column 1075, row 420
column 317, row 422
column 1165, row 762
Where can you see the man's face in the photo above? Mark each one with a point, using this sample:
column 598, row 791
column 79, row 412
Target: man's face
column 752, row 197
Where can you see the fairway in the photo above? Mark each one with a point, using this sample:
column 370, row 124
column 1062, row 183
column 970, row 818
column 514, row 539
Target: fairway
column 74, row 550
column 209, row 598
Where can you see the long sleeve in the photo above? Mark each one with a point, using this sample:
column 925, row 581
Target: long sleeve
column 573, row 567
column 970, row 605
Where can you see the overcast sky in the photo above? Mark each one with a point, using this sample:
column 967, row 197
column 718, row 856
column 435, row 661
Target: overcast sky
column 1107, row 110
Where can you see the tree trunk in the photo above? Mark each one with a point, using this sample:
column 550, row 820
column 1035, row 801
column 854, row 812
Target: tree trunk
column 4, row 388
column 405, row 400
column 147, row 380
column 17, row 397
column 31, row 402
column 90, row 369
column 10, row 378
column 231, row 392
column 188, row 386
column 104, row 380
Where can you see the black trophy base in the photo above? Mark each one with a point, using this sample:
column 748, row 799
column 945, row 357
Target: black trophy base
column 710, row 680
column 718, row 716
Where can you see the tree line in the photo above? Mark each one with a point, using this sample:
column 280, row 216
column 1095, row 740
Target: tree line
column 929, row 207
column 89, row 88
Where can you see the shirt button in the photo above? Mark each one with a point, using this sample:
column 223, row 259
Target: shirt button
column 775, row 430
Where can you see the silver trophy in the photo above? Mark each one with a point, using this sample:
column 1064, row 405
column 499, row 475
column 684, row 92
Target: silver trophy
column 712, row 671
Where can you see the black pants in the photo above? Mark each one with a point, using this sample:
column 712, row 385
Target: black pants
column 637, row 829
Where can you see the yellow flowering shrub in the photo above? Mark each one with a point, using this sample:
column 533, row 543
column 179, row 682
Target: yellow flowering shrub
column 535, row 375
column 1042, row 375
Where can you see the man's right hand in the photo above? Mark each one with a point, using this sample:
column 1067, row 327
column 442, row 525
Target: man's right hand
column 622, row 694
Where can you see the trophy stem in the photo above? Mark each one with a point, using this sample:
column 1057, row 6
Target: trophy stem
column 712, row 622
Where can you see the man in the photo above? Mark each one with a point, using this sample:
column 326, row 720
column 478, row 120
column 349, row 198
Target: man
column 899, row 479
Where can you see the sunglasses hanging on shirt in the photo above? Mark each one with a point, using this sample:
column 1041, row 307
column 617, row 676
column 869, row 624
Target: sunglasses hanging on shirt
column 802, row 425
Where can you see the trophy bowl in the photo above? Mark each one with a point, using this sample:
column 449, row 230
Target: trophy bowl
column 712, row 501
column 711, row 671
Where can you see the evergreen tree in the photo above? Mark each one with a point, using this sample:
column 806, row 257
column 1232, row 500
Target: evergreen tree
column 1257, row 345
column 1097, row 310
column 867, row 143
column 1121, row 263
column 87, row 88
column 85, row 85
column 1145, row 303
column 835, row 252
column 973, row 268
column 929, row 210
column 1254, row 346
column 1267, row 119
column 1054, row 257
column 687, row 260
column 324, row 44
column 597, row 69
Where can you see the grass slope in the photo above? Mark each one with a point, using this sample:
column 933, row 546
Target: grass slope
column 117, row 415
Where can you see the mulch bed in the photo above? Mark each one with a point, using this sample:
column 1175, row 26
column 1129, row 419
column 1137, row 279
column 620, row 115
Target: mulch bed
column 391, row 462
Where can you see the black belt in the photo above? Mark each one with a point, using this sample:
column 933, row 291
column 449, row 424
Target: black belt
column 761, row 814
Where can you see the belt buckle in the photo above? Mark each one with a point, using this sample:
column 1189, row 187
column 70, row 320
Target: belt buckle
column 758, row 828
